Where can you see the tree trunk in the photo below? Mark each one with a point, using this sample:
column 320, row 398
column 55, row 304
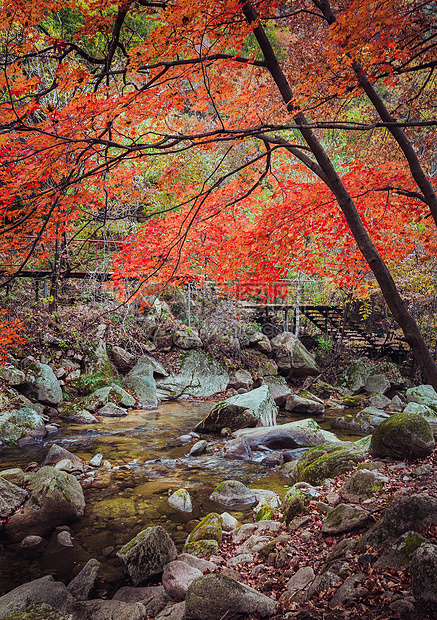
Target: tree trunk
column 412, row 333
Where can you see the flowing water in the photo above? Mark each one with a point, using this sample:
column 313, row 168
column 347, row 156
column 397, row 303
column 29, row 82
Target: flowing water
column 148, row 462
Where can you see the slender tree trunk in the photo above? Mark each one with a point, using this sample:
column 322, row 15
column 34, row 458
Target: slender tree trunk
column 388, row 287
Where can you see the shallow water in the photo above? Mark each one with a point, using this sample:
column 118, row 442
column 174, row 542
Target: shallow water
column 148, row 462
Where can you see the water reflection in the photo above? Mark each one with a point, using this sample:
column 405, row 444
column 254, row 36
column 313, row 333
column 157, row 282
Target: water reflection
column 148, row 463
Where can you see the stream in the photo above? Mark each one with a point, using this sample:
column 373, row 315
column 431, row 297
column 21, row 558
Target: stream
column 148, row 463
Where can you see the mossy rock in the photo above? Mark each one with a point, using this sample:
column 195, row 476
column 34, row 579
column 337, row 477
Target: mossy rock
column 293, row 505
column 403, row 436
column 265, row 513
column 210, row 528
column 327, row 461
column 201, row 548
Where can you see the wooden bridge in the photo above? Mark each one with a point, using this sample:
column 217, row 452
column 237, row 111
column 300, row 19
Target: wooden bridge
column 334, row 323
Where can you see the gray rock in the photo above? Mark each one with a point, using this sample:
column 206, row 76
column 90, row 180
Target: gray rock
column 423, row 410
column 98, row 609
column 57, row 454
column 111, row 410
column 299, row 404
column 75, row 413
column 260, row 341
column 423, row 395
column 44, row 590
column 11, row 498
column 15, row 475
column 243, row 410
column 401, row 551
column 43, row 385
column 403, row 436
column 413, row 512
column 240, row 379
column 96, row 461
column 349, row 591
column 69, row 467
column 130, row 594
column 423, row 572
column 303, row 362
column 141, row 381
column 231, row 493
column 345, row 518
column 181, row 500
column 291, row 435
column 354, row 378
column 110, row 394
column 380, row 401
column 279, row 389
column 378, row 384
column 147, row 554
column 122, row 359
column 172, row 612
column 199, row 376
column 186, row 339
column 363, row 422
column 56, row 498
column 84, row 583
column 19, row 423
column 198, row 448
column 177, row 577
column 11, row 375
column 212, row 597
column 199, row 563
column 300, row 580
column 361, row 485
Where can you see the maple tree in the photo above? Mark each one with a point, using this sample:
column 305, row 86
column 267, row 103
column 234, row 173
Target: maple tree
column 253, row 137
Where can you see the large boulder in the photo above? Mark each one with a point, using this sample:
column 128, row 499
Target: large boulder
column 405, row 512
column 423, row 395
column 327, row 460
column 302, row 363
column 423, row 410
column 42, row 383
column 45, row 591
column 213, row 597
column 56, row 498
column 19, row 423
column 255, row 408
column 402, row 436
column 141, row 380
column 147, row 554
column 199, row 376
column 285, row 436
